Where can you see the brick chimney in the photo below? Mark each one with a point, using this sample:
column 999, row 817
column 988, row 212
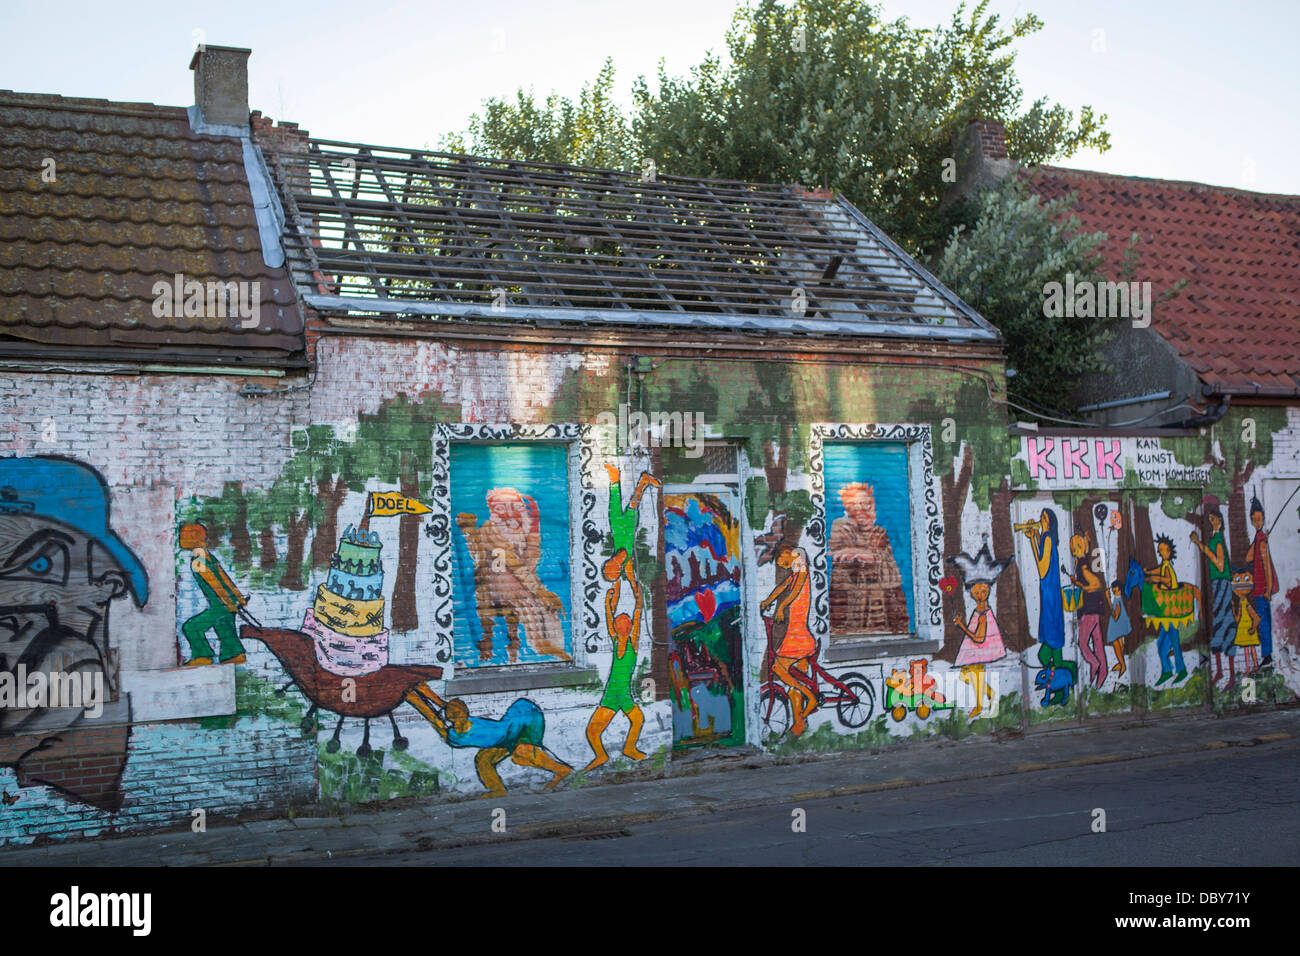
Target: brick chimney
column 985, row 159
column 221, row 84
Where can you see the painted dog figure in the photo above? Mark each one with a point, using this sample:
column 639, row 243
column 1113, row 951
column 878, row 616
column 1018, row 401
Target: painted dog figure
column 1055, row 683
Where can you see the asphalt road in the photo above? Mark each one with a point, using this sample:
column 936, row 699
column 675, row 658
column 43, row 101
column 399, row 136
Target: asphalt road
column 1231, row 807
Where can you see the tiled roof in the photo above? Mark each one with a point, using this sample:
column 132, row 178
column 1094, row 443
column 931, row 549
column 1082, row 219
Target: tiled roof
column 1237, row 320
column 137, row 198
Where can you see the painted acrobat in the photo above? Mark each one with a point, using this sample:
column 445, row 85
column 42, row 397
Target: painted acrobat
column 624, row 631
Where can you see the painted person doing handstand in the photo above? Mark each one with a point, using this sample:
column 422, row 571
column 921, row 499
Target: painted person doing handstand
column 624, row 632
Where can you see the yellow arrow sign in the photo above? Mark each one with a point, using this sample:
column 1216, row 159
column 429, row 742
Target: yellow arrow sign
column 384, row 503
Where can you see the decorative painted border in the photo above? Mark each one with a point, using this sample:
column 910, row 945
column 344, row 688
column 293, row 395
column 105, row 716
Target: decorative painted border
column 582, row 511
column 927, row 561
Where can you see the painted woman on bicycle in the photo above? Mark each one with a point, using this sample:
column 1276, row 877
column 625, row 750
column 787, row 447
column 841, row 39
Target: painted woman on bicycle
column 792, row 598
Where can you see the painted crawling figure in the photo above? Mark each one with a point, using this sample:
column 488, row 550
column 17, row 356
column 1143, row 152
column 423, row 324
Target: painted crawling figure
column 1055, row 683
column 516, row 734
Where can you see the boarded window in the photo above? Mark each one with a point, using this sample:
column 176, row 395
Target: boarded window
column 868, row 512
column 510, row 506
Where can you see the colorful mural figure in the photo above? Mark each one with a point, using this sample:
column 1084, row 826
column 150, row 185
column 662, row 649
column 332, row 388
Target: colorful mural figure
column 223, row 598
column 61, row 568
column 624, row 632
column 914, row 690
column 1264, row 576
column 982, row 642
column 866, row 589
column 505, row 551
column 1121, row 625
column 516, row 734
column 1057, row 676
column 701, row 551
column 1091, row 607
column 623, row 521
column 791, row 599
column 1246, row 621
column 339, row 660
column 1223, row 629
column 1168, row 606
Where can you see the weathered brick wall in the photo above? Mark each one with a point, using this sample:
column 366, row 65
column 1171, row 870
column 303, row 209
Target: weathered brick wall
column 276, row 479
column 153, row 439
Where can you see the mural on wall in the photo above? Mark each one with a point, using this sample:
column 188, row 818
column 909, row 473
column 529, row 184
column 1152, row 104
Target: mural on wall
column 224, row 600
column 870, row 548
column 1057, row 676
column 1167, row 607
column 512, row 553
column 339, row 660
column 981, row 642
column 624, row 631
column 703, row 591
column 793, row 688
column 517, row 734
column 1223, row 609
column 1245, row 625
column 61, row 568
column 1263, row 582
column 789, row 661
column 914, row 690
column 1280, row 497
column 882, row 456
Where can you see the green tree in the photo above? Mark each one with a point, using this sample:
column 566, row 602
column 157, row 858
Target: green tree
column 592, row 132
column 1000, row 267
column 820, row 92
column 826, row 92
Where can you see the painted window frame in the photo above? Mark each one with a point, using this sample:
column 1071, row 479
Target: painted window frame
column 927, row 527
column 585, row 538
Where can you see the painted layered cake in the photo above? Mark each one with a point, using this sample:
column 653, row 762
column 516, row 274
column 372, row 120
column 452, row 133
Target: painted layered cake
column 347, row 618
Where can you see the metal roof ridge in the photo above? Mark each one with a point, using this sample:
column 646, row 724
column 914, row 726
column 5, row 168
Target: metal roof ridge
column 922, row 273
column 719, row 320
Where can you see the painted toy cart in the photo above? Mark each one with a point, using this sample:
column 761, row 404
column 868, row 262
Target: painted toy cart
column 913, row 690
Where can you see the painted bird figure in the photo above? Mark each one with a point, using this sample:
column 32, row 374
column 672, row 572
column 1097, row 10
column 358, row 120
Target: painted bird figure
column 377, row 694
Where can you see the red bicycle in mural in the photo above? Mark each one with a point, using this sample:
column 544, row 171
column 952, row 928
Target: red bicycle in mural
column 852, row 694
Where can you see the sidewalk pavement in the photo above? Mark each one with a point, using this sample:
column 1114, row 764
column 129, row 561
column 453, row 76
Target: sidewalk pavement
column 697, row 785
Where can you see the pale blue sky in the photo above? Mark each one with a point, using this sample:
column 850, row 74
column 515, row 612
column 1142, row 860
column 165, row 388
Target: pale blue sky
column 1194, row 90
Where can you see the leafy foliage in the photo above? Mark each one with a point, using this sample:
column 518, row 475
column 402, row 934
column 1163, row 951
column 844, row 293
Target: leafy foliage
column 826, row 92
column 1000, row 267
column 820, row 92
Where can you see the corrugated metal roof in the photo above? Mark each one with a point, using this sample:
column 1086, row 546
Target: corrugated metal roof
column 137, row 198
column 387, row 231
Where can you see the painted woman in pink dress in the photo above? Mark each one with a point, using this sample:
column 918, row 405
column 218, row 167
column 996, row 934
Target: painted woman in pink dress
column 981, row 645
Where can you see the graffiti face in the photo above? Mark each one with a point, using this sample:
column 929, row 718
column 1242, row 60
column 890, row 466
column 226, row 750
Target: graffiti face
column 1078, row 545
column 61, row 566
column 507, row 509
column 859, row 504
column 55, row 588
